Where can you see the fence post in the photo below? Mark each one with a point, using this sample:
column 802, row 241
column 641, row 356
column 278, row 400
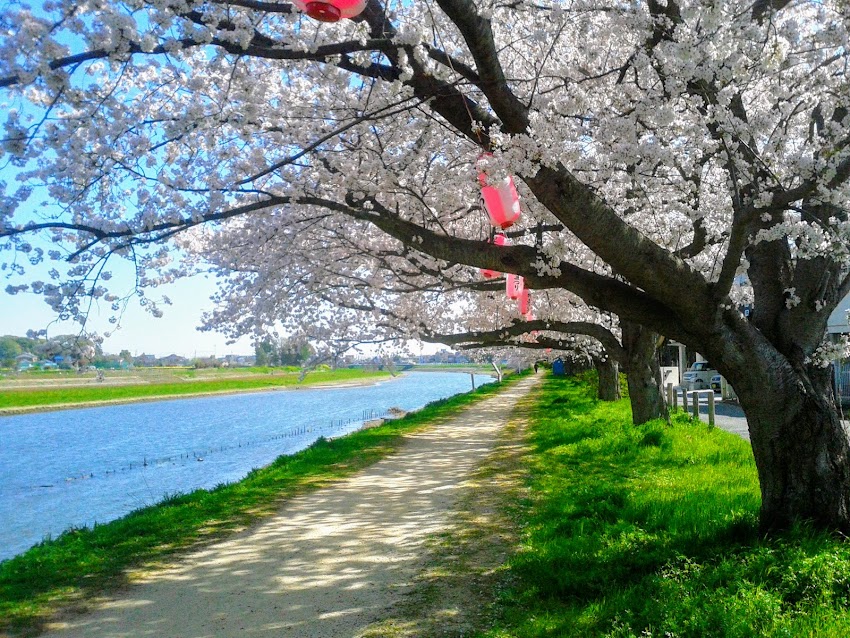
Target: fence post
column 498, row 371
column 472, row 376
column 695, row 397
column 669, row 394
column 711, row 408
column 685, row 400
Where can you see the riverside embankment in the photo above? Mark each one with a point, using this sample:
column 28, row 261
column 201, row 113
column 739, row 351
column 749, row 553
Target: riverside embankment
column 329, row 563
column 32, row 394
column 77, row 566
column 75, row 468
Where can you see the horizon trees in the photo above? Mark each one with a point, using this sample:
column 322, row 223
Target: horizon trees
column 680, row 155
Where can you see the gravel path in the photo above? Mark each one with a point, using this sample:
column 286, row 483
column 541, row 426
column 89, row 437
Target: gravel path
column 329, row 563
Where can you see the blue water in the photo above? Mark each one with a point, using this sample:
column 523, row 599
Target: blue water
column 74, row 468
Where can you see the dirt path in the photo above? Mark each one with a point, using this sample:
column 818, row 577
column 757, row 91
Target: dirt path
column 330, row 564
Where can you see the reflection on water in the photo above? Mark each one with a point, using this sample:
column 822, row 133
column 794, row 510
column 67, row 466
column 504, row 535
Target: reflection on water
column 73, row 468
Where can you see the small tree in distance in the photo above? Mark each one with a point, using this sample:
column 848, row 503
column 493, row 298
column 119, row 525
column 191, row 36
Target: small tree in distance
column 680, row 155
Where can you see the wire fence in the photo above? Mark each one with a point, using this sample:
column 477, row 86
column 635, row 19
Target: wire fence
column 198, row 452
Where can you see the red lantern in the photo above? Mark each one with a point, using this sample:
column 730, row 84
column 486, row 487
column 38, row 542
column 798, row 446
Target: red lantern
column 498, row 240
column 529, row 316
column 332, row 10
column 514, row 286
column 500, row 200
column 523, row 303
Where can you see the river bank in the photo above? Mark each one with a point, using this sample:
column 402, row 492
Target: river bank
column 48, row 399
column 78, row 566
column 76, row 468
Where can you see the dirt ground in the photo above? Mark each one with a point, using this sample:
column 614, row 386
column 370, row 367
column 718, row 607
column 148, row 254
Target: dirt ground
column 400, row 549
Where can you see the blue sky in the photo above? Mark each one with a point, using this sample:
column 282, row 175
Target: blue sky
column 140, row 333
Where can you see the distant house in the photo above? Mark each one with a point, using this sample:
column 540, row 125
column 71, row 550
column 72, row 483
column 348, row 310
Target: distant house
column 237, row 360
column 25, row 361
column 839, row 322
column 838, row 327
column 145, row 360
column 173, row 360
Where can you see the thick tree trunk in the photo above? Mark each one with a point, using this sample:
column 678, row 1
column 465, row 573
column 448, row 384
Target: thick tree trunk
column 800, row 446
column 801, row 449
column 643, row 373
column 645, row 394
column 609, row 379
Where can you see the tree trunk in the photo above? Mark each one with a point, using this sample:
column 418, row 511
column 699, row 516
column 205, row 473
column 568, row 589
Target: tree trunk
column 800, row 446
column 609, row 379
column 801, row 449
column 643, row 373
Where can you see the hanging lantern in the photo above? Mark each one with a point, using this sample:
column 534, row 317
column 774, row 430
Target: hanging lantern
column 529, row 316
column 500, row 200
column 524, row 303
column 332, row 10
column 499, row 240
column 514, row 286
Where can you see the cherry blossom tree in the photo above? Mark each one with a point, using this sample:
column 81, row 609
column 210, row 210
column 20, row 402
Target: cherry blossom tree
column 680, row 155
column 626, row 347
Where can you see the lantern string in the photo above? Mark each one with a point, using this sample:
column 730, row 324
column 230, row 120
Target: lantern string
column 475, row 128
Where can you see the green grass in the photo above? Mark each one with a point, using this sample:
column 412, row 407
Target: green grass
column 13, row 398
column 652, row 531
column 80, row 563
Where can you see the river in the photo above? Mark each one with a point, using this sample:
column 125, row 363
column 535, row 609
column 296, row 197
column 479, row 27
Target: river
column 73, row 468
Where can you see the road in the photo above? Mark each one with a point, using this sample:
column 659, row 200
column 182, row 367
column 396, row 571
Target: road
column 728, row 416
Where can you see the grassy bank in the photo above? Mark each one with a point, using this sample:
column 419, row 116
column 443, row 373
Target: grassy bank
column 652, row 531
column 15, row 398
column 81, row 563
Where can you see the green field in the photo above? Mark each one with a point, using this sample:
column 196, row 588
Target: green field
column 116, row 388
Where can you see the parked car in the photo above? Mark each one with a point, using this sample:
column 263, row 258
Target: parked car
column 715, row 382
column 699, row 375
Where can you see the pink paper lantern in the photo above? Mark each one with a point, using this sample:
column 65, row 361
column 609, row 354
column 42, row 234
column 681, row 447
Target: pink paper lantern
column 501, row 203
column 498, row 240
column 529, row 316
column 524, row 303
column 331, row 10
column 514, row 286
column 500, row 200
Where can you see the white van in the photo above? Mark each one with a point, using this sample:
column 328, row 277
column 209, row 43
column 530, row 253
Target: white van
column 699, row 375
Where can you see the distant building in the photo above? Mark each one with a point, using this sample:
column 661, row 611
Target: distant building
column 173, row 360
column 145, row 360
column 838, row 326
column 25, row 361
column 238, row 360
column 838, row 322
column 444, row 356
